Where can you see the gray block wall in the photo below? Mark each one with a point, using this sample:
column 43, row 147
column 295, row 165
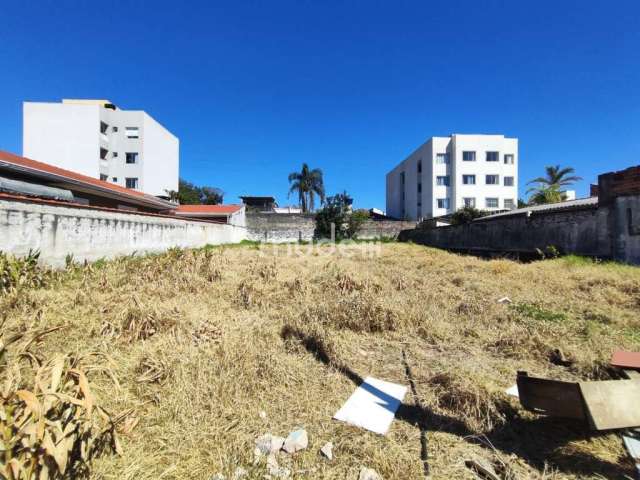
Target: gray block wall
column 289, row 227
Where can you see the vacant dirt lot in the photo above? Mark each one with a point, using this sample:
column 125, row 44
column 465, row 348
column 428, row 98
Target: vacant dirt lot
column 189, row 347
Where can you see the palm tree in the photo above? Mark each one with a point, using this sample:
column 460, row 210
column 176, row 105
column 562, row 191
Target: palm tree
column 307, row 183
column 547, row 188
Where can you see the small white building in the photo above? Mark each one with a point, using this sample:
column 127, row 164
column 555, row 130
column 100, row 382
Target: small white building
column 447, row 173
column 95, row 138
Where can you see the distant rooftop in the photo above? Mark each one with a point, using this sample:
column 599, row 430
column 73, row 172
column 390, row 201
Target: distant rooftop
column 581, row 203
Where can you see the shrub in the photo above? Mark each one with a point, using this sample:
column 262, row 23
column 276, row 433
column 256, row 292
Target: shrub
column 466, row 215
column 337, row 211
column 16, row 273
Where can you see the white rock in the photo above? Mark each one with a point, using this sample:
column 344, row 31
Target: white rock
column 369, row 474
column 327, row 450
column 504, row 300
column 217, row 476
column 239, row 473
column 267, row 443
column 296, row 441
column 276, row 470
column 262, row 414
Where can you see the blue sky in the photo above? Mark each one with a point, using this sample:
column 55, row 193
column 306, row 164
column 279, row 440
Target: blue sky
column 253, row 89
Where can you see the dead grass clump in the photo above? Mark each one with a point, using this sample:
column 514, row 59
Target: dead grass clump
column 359, row 312
column 474, row 404
column 247, row 294
column 152, row 369
column 346, row 284
column 206, row 333
column 51, row 426
column 267, row 271
column 295, row 287
column 137, row 322
column 520, row 344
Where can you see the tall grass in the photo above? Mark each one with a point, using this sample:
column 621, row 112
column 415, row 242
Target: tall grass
column 193, row 354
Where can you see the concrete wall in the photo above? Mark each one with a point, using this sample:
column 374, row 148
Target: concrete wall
column 583, row 232
column 279, row 228
column 90, row 234
column 610, row 231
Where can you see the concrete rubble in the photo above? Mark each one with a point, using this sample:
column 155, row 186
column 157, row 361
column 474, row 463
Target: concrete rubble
column 274, row 469
column 327, row 450
column 296, row 441
column 267, row 444
column 369, row 474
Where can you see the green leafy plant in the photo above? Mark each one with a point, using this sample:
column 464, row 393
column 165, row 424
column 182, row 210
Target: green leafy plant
column 466, row 215
column 336, row 212
column 16, row 273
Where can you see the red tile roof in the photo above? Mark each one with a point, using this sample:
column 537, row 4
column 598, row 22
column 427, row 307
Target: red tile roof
column 67, row 174
column 58, row 203
column 207, row 209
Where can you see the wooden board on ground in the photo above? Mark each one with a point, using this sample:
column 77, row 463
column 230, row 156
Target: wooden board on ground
column 551, row 397
column 626, row 359
column 612, row 403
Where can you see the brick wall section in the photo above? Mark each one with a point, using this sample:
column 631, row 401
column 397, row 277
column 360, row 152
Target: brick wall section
column 289, row 227
column 621, row 183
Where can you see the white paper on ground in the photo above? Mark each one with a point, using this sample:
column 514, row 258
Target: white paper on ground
column 513, row 391
column 373, row 405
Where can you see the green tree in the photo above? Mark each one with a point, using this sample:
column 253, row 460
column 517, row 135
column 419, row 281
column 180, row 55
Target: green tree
column 190, row 194
column 543, row 195
column 336, row 211
column 307, row 183
column 466, row 215
column 547, row 189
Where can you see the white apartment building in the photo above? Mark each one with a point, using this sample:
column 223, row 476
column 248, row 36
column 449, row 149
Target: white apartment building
column 95, row 138
column 447, row 173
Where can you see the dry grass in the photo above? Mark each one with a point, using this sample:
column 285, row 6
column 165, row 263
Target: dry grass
column 187, row 348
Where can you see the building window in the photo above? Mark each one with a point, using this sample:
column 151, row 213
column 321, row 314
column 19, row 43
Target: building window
column 103, row 153
column 131, row 182
column 443, row 203
column 419, row 187
column 103, row 127
column 469, row 179
column 103, row 177
column 114, row 129
column 132, row 132
column 402, row 178
column 419, row 211
column 509, row 204
column 419, row 166
column 468, row 156
column 508, row 159
column 132, row 157
column 443, row 180
column 493, row 156
column 492, row 180
column 491, row 202
column 442, row 158
column 114, row 179
column 469, row 202
column 508, row 181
